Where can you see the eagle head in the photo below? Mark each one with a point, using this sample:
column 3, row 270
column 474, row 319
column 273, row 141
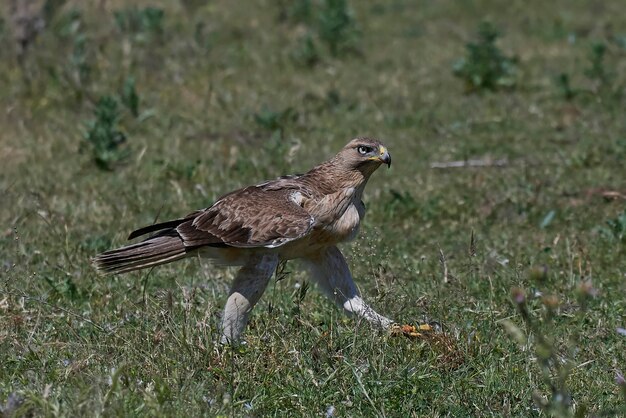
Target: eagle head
column 365, row 155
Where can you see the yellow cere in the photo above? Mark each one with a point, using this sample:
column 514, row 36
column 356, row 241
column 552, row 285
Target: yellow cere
column 382, row 150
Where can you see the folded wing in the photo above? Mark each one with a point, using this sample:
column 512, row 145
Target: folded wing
column 247, row 218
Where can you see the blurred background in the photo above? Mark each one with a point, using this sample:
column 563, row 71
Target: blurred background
column 502, row 218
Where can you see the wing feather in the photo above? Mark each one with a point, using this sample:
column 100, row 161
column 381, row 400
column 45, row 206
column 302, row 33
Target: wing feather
column 256, row 216
column 161, row 226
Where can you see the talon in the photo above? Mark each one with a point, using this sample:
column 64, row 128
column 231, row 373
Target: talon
column 410, row 330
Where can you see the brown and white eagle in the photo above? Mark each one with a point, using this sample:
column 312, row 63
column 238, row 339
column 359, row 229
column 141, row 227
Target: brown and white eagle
column 293, row 217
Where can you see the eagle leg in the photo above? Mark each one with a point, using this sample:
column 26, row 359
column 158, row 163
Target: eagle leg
column 331, row 273
column 245, row 292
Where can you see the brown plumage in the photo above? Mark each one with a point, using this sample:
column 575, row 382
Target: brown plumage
column 299, row 216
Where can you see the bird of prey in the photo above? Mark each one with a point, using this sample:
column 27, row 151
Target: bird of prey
column 300, row 216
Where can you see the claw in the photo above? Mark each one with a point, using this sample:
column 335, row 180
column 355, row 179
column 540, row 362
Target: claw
column 410, row 330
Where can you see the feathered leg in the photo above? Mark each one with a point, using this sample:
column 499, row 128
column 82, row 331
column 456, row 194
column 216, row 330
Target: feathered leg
column 332, row 274
column 246, row 290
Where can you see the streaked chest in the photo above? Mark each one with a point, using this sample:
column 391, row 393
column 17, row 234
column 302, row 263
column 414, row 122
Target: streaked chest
column 346, row 227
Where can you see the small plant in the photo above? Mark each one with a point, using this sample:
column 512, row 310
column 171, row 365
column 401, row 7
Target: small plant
column 71, row 28
column 142, row 23
column 305, row 53
column 2, row 26
column 297, row 11
column 329, row 21
column 201, row 35
column 337, row 27
column 95, row 244
column 402, row 204
column 129, row 96
column 275, row 121
column 597, row 71
column 192, row 6
column 65, row 287
column 104, row 136
column 556, row 361
column 298, row 296
column 79, row 59
column 486, row 67
column 564, row 86
column 68, row 24
column 51, row 8
column 620, row 41
column 615, row 229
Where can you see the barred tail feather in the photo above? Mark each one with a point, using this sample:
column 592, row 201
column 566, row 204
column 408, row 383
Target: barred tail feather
column 160, row 249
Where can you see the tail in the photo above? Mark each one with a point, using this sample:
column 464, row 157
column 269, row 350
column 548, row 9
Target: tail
column 162, row 248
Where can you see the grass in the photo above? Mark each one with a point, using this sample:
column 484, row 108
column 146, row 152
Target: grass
column 223, row 104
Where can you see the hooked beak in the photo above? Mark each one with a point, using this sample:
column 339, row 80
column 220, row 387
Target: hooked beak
column 385, row 157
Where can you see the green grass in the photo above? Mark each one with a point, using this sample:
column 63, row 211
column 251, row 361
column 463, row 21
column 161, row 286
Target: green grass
column 221, row 103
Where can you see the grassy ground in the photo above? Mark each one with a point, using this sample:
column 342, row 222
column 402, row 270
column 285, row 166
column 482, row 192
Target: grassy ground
column 516, row 262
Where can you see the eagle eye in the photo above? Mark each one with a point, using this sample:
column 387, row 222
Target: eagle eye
column 364, row 149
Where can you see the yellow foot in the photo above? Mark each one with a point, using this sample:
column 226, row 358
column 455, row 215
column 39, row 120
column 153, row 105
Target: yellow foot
column 410, row 330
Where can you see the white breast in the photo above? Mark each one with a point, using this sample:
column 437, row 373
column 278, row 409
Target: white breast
column 346, row 227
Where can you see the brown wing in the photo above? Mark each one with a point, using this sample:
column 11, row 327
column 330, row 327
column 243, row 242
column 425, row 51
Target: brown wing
column 250, row 217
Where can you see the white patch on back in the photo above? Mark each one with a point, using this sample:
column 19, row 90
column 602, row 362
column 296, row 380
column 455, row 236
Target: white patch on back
column 297, row 198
